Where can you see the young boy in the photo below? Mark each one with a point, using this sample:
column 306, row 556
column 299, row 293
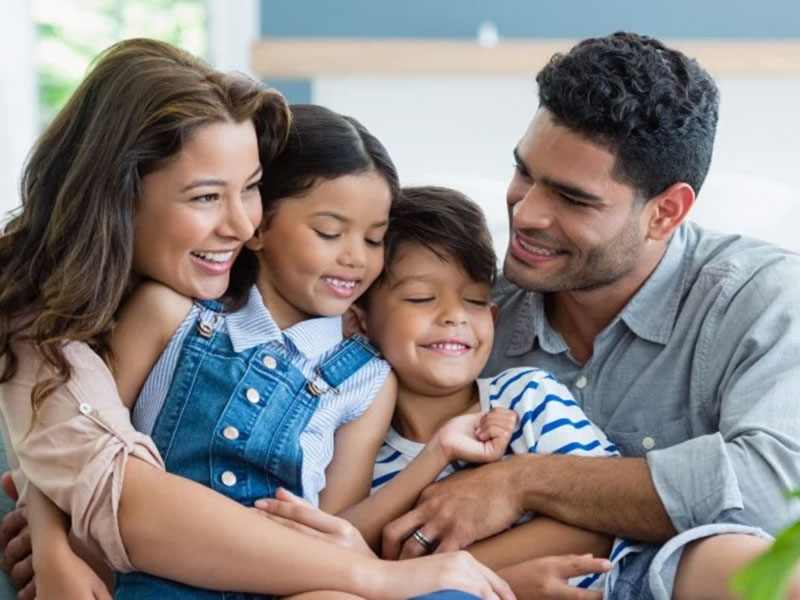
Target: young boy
column 430, row 314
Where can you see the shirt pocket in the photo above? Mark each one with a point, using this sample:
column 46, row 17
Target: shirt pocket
column 653, row 436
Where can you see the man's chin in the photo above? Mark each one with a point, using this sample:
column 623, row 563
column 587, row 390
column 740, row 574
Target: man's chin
column 526, row 278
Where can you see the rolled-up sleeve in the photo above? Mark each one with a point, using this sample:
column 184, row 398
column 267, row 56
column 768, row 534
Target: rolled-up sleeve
column 76, row 449
column 749, row 359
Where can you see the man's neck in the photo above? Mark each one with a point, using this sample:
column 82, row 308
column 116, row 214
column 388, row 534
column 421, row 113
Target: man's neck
column 418, row 417
column 580, row 315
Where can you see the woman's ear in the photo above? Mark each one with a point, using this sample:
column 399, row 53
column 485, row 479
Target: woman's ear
column 255, row 243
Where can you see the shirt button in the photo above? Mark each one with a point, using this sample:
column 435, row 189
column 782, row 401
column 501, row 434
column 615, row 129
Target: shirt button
column 581, row 382
column 252, row 395
column 230, row 433
column 228, row 478
column 85, row 408
column 648, row 443
column 269, row 362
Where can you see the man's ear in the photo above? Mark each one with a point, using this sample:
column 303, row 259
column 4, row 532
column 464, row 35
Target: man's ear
column 255, row 243
column 668, row 210
column 495, row 312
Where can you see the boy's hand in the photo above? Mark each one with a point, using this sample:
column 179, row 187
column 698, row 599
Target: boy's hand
column 479, row 437
column 62, row 575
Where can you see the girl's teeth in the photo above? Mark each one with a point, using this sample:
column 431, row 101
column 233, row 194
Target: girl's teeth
column 218, row 257
column 341, row 283
column 538, row 249
column 449, row 346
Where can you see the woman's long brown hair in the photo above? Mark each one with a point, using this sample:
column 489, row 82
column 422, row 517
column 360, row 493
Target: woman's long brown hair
column 65, row 258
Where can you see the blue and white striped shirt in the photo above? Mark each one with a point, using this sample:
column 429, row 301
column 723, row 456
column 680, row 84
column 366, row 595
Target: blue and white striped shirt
column 550, row 422
column 306, row 345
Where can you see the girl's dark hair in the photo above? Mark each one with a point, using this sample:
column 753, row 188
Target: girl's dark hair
column 447, row 223
column 322, row 145
column 65, row 259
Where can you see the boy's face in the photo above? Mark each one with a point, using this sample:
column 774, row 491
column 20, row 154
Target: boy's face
column 432, row 322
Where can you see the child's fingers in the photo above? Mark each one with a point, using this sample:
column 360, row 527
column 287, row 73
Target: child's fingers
column 287, row 496
column 300, row 511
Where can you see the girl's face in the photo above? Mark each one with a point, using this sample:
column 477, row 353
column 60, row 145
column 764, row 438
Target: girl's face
column 320, row 251
column 195, row 214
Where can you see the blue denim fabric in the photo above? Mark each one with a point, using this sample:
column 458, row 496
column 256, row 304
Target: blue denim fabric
column 213, row 391
column 446, row 595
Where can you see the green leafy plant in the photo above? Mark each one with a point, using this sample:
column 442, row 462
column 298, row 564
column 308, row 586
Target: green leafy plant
column 767, row 577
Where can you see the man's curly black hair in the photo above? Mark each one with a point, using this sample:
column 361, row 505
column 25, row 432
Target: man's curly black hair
column 653, row 107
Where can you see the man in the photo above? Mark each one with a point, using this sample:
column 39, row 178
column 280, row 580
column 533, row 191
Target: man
column 682, row 344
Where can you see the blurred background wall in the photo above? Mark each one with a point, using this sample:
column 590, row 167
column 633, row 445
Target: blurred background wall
column 457, row 124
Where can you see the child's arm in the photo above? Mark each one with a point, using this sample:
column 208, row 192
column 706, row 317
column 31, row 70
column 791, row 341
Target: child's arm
column 477, row 437
column 60, row 573
column 538, row 538
column 349, row 475
column 144, row 327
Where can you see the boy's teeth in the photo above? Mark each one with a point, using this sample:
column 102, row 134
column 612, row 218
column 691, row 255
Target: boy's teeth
column 449, row 346
column 538, row 249
column 341, row 282
column 219, row 257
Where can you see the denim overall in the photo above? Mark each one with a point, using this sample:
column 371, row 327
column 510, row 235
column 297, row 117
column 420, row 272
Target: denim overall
column 232, row 421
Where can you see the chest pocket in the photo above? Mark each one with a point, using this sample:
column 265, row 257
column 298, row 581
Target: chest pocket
column 650, row 437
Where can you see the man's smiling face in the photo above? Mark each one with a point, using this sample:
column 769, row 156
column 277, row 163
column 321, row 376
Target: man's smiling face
column 573, row 226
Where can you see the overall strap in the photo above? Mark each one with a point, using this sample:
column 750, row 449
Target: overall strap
column 210, row 317
column 350, row 355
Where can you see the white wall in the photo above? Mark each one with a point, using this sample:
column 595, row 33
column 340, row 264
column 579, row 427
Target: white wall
column 18, row 113
column 460, row 132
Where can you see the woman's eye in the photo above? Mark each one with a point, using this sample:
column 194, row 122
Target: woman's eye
column 253, row 186
column 206, row 198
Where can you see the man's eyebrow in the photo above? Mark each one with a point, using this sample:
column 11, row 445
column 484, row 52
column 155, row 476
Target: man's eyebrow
column 217, row 182
column 564, row 188
column 341, row 218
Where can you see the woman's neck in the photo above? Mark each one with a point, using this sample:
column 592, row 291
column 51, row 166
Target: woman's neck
column 418, row 416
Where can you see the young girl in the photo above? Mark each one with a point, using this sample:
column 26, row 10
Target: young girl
column 150, row 172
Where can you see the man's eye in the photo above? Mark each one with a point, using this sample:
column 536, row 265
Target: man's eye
column 572, row 201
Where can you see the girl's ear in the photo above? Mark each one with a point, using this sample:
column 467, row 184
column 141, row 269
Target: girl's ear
column 255, row 243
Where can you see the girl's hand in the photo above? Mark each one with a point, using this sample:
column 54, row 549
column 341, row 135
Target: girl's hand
column 299, row 514
column 451, row 570
column 547, row 578
column 478, row 437
column 62, row 575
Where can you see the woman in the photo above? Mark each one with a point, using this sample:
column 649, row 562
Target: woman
column 84, row 237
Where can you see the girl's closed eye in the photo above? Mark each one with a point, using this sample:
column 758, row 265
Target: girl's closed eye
column 327, row 236
column 375, row 243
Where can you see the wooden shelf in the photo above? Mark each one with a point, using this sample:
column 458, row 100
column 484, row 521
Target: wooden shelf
column 307, row 58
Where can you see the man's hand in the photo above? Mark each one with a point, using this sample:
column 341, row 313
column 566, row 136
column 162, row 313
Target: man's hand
column 546, row 578
column 467, row 506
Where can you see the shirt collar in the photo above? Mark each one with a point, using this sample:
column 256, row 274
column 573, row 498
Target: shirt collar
column 253, row 325
column 650, row 314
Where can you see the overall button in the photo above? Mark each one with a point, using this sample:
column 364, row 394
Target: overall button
column 252, row 395
column 228, row 478
column 648, row 443
column 581, row 382
column 269, row 362
column 230, row 433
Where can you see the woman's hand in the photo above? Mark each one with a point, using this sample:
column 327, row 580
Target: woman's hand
column 452, row 570
column 477, row 437
column 546, row 578
column 300, row 515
